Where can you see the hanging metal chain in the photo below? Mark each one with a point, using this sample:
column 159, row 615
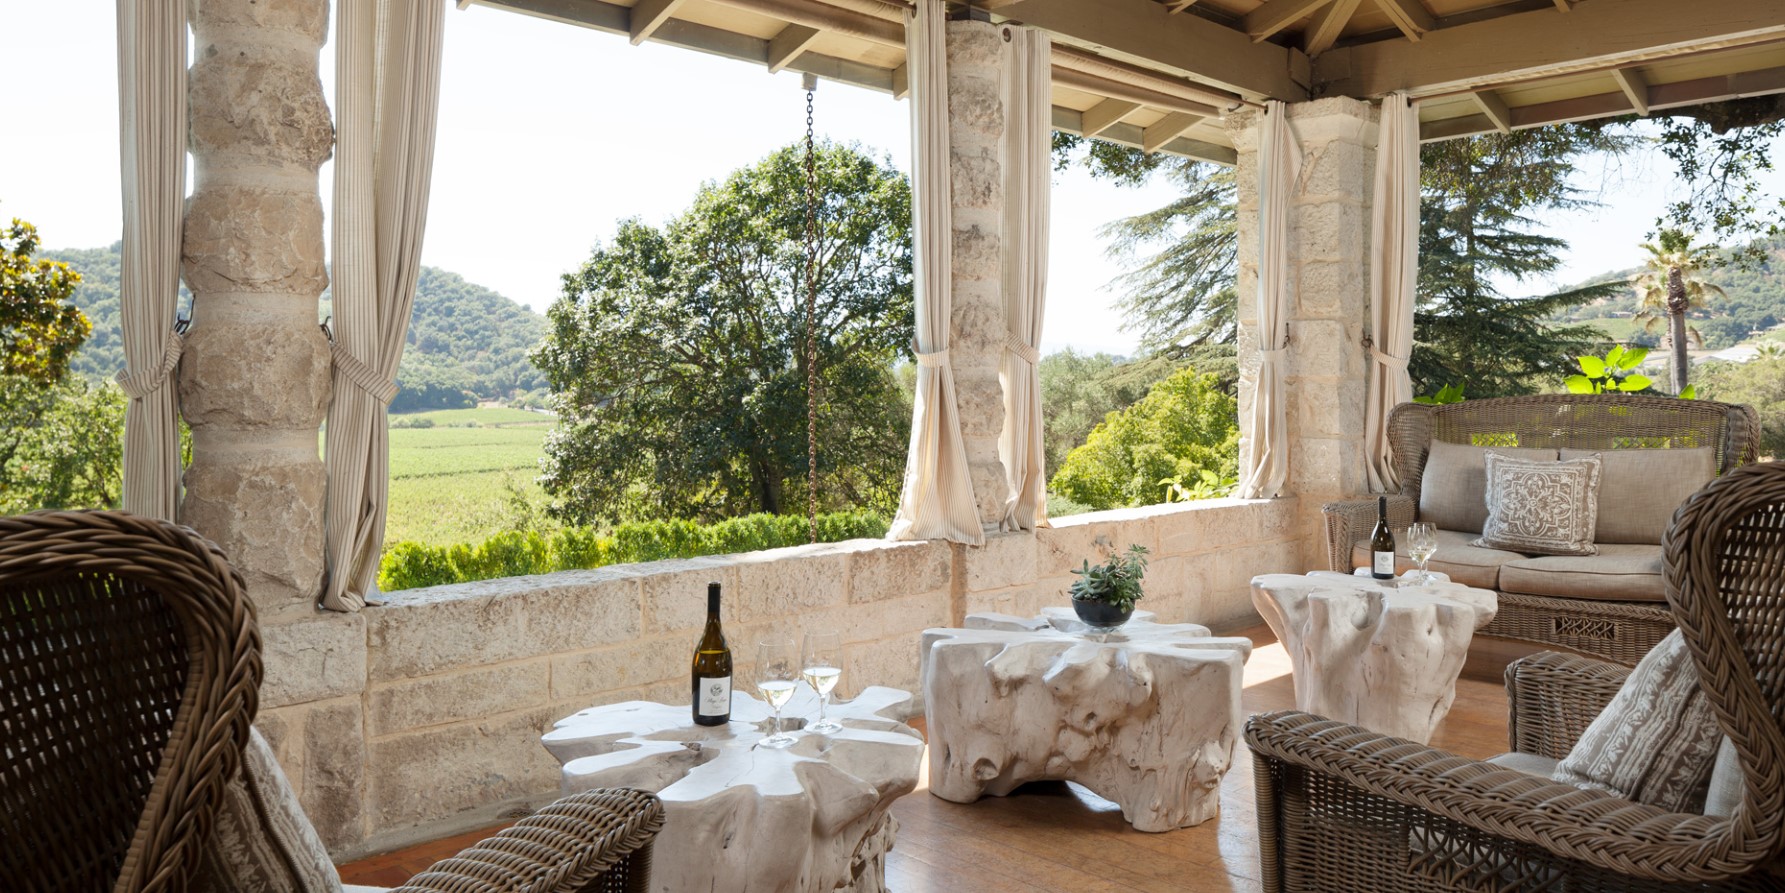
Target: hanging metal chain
column 811, row 85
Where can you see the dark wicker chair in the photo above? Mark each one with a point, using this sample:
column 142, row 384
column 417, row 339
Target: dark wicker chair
column 1343, row 808
column 129, row 672
column 1619, row 631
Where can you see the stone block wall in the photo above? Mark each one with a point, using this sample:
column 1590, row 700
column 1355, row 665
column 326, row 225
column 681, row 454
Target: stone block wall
column 421, row 718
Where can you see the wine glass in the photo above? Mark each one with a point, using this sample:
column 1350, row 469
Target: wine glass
column 777, row 675
column 1422, row 542
column 822, row 664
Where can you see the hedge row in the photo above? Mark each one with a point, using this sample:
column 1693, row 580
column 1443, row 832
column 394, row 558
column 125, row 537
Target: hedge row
column 409, row 565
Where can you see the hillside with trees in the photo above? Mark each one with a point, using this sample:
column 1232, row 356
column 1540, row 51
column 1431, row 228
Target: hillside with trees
column 1753, row 301
column 466, row 342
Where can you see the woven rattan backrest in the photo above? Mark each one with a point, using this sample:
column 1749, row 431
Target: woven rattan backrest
column 1725, row 575
column 129, row 666
column 1573, row 422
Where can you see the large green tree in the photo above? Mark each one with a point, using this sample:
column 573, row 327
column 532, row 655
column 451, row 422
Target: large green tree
column 1186, row 427
column 1671, row 285
column 39, row 329
column 676, row 353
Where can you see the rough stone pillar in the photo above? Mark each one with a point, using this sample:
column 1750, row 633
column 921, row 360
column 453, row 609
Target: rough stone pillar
column 1329, row 243
column 976, row 178
column 254, row 380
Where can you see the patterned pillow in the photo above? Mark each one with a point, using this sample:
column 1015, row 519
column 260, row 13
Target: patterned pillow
column 1541, row 508
column 262, row 841
column 1656, row 741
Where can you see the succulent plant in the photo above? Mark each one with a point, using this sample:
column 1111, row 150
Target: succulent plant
column 1115, row 582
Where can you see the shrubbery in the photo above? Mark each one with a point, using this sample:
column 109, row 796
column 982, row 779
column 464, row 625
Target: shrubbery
column 1179, row 441
column 515, row 553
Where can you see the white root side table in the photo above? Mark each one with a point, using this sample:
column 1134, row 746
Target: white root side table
column 1145, row 716
column 1385, row 657
column 738, row 817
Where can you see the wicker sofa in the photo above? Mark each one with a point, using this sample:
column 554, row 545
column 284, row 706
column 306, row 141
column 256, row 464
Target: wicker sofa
column 1610, row 605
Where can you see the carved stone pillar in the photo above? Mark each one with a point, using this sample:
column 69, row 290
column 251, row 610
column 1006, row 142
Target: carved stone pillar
column 254, row 379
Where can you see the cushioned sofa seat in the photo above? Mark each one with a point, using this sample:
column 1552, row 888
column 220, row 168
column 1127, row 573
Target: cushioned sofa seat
column 1463, row 563
column 1619, row 573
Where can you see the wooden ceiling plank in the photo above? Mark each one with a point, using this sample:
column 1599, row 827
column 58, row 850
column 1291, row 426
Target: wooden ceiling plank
column 1410, row 16
column 1145, row 33
column 1155, row 135
column 1635, row 86
column 1130, row 135
column 1328, row 25
column 1536, row 44
column 648, row 16
column 1105, row 114
column 1177, row 6
column 1564, row 5
column 787, row 45
column 1275, row 15
column 1604, row 105
column 1495, row 108
column 901, row 81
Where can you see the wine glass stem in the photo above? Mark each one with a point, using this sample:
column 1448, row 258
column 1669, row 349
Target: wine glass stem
column 777, row 729
column 823, row 699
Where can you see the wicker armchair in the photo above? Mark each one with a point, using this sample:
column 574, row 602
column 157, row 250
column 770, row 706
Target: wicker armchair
column 1343, row 808
column 1622, row 631
column 129, row 672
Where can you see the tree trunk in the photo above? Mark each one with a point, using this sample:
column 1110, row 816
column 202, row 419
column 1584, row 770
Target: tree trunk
column 1676, row 327
column 768, row 487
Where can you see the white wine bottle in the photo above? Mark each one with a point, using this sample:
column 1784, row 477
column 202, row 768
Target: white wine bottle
column 712, row 669
column 1382, row 544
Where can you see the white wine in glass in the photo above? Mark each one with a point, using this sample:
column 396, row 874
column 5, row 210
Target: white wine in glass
column 822, row 661
column 777, row 676
column 1422, row 544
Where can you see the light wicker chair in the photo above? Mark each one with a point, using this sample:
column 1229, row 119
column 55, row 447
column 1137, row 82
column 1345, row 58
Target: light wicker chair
column 1343, row 808
column 129, row 671
column 1615, row 630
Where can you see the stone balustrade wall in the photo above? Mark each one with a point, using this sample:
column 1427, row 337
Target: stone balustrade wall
column 421, row 718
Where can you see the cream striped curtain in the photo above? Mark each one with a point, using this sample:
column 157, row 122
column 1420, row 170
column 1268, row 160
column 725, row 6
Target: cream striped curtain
column 1394, row 274
column 1028, row 181
column 387, row 93
column 1279, row 163
column 937, row 499
column 152, row 131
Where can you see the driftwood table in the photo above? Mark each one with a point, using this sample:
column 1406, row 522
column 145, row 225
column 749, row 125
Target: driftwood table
column 809, row 818
column 1145, row 716
column 1385, row 657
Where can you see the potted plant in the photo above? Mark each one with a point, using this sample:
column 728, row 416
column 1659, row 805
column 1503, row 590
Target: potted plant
column 1104, row 594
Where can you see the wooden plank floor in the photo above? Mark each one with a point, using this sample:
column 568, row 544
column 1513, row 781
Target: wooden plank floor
column 1061, row 837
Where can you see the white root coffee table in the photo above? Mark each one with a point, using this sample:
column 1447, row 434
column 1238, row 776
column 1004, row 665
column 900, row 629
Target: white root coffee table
column 1145, row 716
column 809, row 818
column 1385, row 657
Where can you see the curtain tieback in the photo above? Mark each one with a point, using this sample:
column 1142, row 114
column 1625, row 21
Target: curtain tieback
column 933, row 360
column 144, row 382
column 1023, row 351
column 374, row 385
column 1388, row 360
column 1275, row 353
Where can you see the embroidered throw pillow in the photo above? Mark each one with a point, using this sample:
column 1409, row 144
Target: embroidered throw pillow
column 261, row 840
column 1657, row 740
column 1541, row 508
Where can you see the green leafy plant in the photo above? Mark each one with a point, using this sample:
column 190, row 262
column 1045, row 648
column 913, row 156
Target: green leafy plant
column 1115, row 582
column 1450, row 393
column 1612, row 373
column 1206, row 485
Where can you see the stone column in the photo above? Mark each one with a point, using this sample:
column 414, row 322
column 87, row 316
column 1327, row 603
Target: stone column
column 1329, row 243
column 254, row 380
column 976, row 178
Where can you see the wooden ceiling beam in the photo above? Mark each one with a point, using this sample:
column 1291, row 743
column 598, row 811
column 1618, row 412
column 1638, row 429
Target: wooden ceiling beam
column 789, row 44
column 1410, row 16
column 1540, row 43
column 1328, row 25
column 1635, row 86
column 1495, row 108
column 1604, row 105
column 649, row 15
column 1160, row 132
column 1145, row 33
column 1105, row 115
column 1564, row 5
column 1129, row 135
column 1275, row 15
column 901, row 81
column 1177, row 6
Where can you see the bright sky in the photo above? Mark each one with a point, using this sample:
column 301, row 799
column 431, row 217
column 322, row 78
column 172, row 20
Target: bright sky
column 549, row 134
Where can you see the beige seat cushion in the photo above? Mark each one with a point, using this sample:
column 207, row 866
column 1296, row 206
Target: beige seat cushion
column 1453, row 487
column 1455, row 558
column 1619, row 573
column 1641, row 489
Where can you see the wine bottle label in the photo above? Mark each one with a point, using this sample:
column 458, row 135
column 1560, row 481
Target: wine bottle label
column 1383, row 563
column 715, row 696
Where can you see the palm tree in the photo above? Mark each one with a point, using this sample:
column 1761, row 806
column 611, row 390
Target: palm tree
column 1673, row 284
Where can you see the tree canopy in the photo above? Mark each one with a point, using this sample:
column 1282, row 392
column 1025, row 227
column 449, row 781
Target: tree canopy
column 676, row 353
column 1184, row 427
column 39, row 329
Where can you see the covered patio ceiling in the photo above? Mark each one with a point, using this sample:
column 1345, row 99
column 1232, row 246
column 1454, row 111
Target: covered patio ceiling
column 1158, row 74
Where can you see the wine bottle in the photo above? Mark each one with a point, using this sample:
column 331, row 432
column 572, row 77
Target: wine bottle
column 1382, row 544
column 712, row 669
